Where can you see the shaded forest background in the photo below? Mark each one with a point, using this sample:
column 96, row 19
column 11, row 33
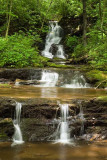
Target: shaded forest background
column 24, row 25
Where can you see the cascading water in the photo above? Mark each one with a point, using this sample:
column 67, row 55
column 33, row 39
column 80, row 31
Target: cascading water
column 63, row 133
column 49, row 79
column 17, row 137
column 53, row 38
column 82, row 119
column 60, row 52
column 77, row 81
column 53, row 78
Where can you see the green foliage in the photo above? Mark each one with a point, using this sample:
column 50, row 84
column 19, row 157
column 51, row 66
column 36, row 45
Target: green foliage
column 102, row 98
column 31, row 17
column 17, row 51
column 71, row 42
column 79, row 51
column 97, row 77
column 98, row 56
column 94, row 75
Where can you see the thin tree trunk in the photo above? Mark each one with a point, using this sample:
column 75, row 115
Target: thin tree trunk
column 84, row 23
column 46, row 13
column 8, row 20
column 101, row 18
column 100, row 10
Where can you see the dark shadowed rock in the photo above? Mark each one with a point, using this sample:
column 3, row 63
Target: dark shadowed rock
column 53, row 49
column 24, row 74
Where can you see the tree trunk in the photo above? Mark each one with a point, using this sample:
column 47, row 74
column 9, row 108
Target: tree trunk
column 8, row 20
column 100, row 14
column 46, row 13
column 84, row 23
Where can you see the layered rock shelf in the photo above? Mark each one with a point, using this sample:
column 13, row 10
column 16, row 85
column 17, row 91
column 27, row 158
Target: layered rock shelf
column 39, row 115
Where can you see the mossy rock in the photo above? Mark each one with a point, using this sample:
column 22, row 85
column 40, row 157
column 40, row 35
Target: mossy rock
column 50, row 64
column 3, row 136
column 102, row 98
column 6, row 85
column 98, row 78
column 6, row 129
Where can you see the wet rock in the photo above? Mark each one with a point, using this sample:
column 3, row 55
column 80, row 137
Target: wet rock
column 24, row 74
column 53, row 49
column 7, row 107
column 33, row 76
column 3, row 81
column 6, row 129
column 98, row 78
column 40, row 118
column 26, row 82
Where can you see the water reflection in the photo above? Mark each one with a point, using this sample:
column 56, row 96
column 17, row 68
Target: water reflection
column 62, row 153
column 49, row 92
column 48, row 151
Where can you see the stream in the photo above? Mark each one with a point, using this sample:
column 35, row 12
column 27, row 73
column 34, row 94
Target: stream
column 51, row 114
column 49, row 151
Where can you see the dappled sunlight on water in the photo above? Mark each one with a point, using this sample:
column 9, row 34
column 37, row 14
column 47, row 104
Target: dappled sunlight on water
column 48, row 151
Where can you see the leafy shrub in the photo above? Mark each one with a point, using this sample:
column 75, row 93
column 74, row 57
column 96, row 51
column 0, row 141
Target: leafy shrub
column 71, row 42
column 17, row 51
column 98, row 56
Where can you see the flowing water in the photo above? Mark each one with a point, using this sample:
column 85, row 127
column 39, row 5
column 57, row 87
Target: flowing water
column 17, row 137
column 78, row 81
column 82, row 119
column 66, row 85
column 62, row 133
column 49, row 79
column 66, row 79
column 53, row 38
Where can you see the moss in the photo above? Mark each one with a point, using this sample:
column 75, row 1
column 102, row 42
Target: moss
column 58, row 59
column 50, row 64
column 6, row 85
column 103, row 98
column 3, row 136
column 99, row 78
column 6, row 129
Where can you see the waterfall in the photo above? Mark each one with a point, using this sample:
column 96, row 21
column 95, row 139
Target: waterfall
column 17, row 137
column 63, row 134
column 82, row 119
column 53, row 38
column 77, row 81
column 60, row 52
column 49, row 79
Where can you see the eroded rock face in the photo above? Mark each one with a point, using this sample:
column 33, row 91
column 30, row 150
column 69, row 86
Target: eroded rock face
column 95, row 113
column 24, row 74
column 38, row 118
column 7, row 107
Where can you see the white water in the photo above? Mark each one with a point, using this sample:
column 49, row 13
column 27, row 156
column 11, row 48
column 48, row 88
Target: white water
column 78, row 81
column 60, row 52
column 17, row 137
column 49, row 79
column 63, row 127
column 53, row 37
column 53, row 79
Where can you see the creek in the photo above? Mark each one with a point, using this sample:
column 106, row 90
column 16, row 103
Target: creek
column 49, row 151
column 56, row 112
